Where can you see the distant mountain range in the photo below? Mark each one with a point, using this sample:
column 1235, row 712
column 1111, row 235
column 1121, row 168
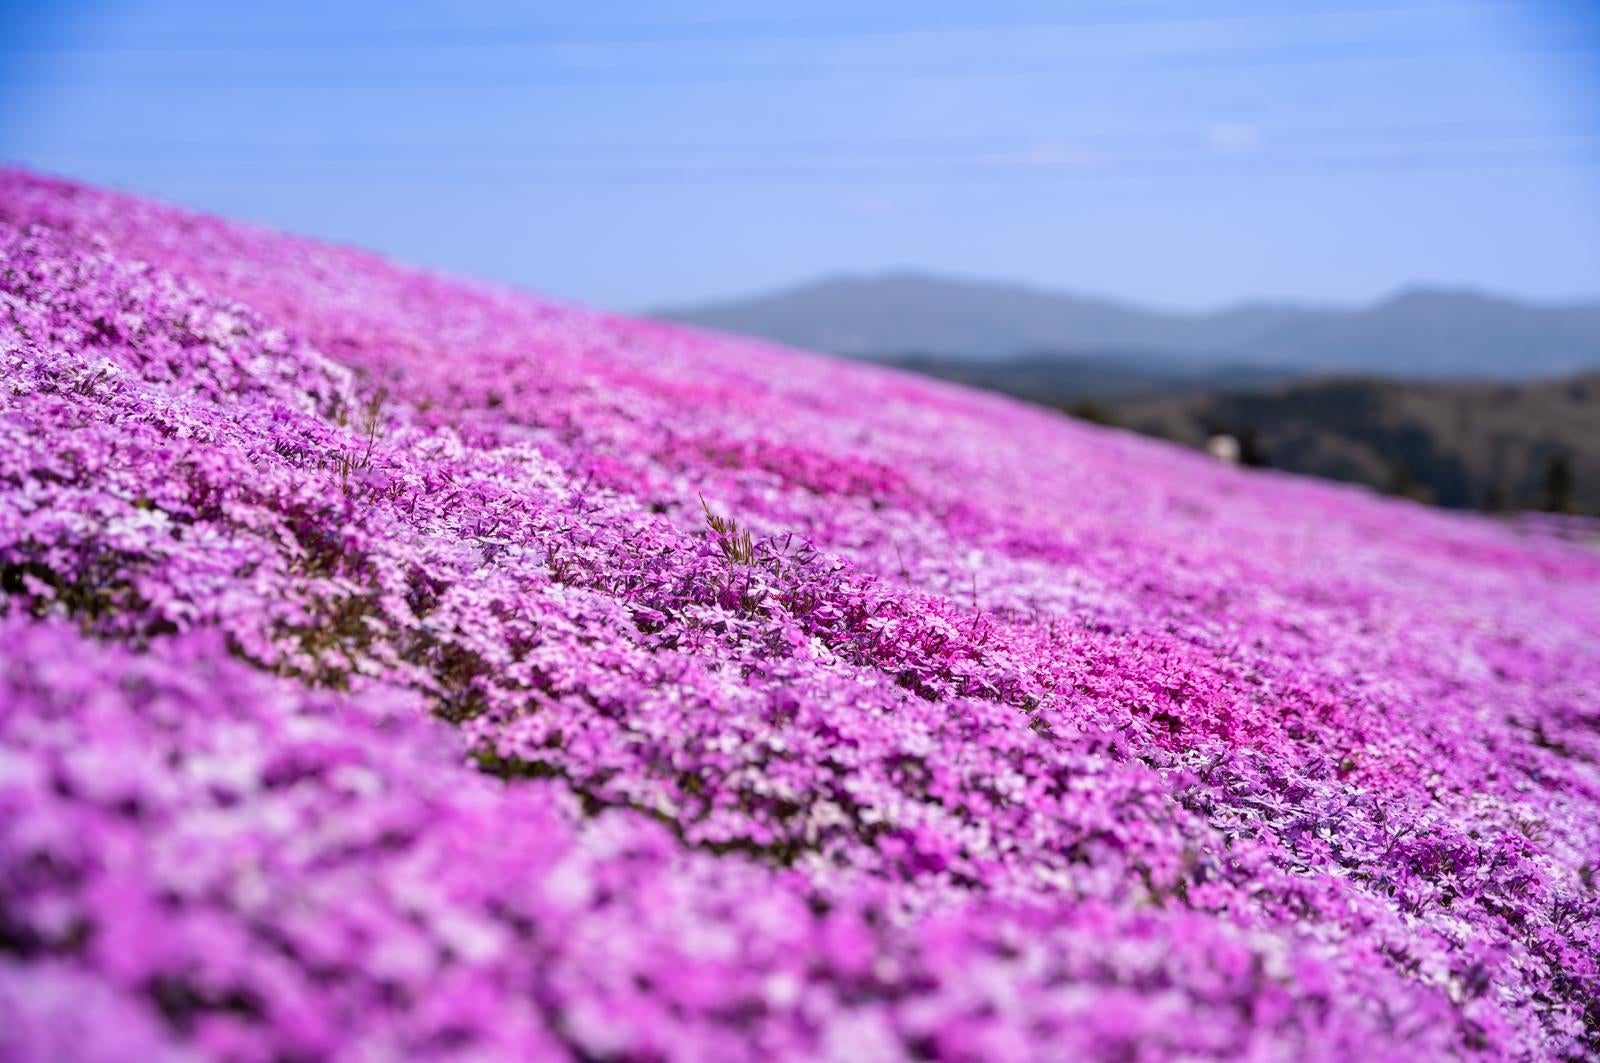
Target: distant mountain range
column 1420, row 332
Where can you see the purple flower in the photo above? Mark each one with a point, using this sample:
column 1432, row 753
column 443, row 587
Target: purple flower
column 377, row 684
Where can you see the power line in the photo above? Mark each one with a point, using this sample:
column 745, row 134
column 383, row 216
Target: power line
column 1268, row 137
column 1460, row 158
column 1231, row 56
column 793, row 28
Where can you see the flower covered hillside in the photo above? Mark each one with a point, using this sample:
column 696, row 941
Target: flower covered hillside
column 398, row 667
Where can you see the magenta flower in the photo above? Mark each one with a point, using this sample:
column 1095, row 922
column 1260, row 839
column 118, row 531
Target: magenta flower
column 401, row 668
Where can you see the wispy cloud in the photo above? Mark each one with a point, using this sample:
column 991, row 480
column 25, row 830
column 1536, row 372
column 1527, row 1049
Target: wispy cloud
column 1234, row 137
column 1052, row 155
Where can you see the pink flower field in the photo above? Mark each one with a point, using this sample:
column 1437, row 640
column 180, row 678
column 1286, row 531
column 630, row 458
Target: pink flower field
column 398, row 667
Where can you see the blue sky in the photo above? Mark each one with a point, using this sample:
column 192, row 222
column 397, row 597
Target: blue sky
column 632, row 155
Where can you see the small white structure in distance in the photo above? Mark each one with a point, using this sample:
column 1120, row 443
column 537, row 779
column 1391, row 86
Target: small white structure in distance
column 1224, row 448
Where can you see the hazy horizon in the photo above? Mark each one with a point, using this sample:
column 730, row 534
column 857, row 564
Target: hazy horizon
column 1181, row 155
column 1242, row 301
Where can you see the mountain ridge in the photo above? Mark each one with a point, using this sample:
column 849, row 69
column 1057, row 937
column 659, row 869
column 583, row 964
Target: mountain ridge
column 1421, row 330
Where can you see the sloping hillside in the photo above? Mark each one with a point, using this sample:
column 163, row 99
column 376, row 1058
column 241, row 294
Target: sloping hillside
column 1497, row 446
column 401, row 668
column 1533, row 445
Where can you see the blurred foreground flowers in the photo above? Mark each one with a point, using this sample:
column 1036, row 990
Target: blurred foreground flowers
column 396, row 667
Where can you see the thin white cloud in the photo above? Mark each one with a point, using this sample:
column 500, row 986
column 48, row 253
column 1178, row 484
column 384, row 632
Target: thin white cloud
column 1052, row 155
column 1234, row 137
